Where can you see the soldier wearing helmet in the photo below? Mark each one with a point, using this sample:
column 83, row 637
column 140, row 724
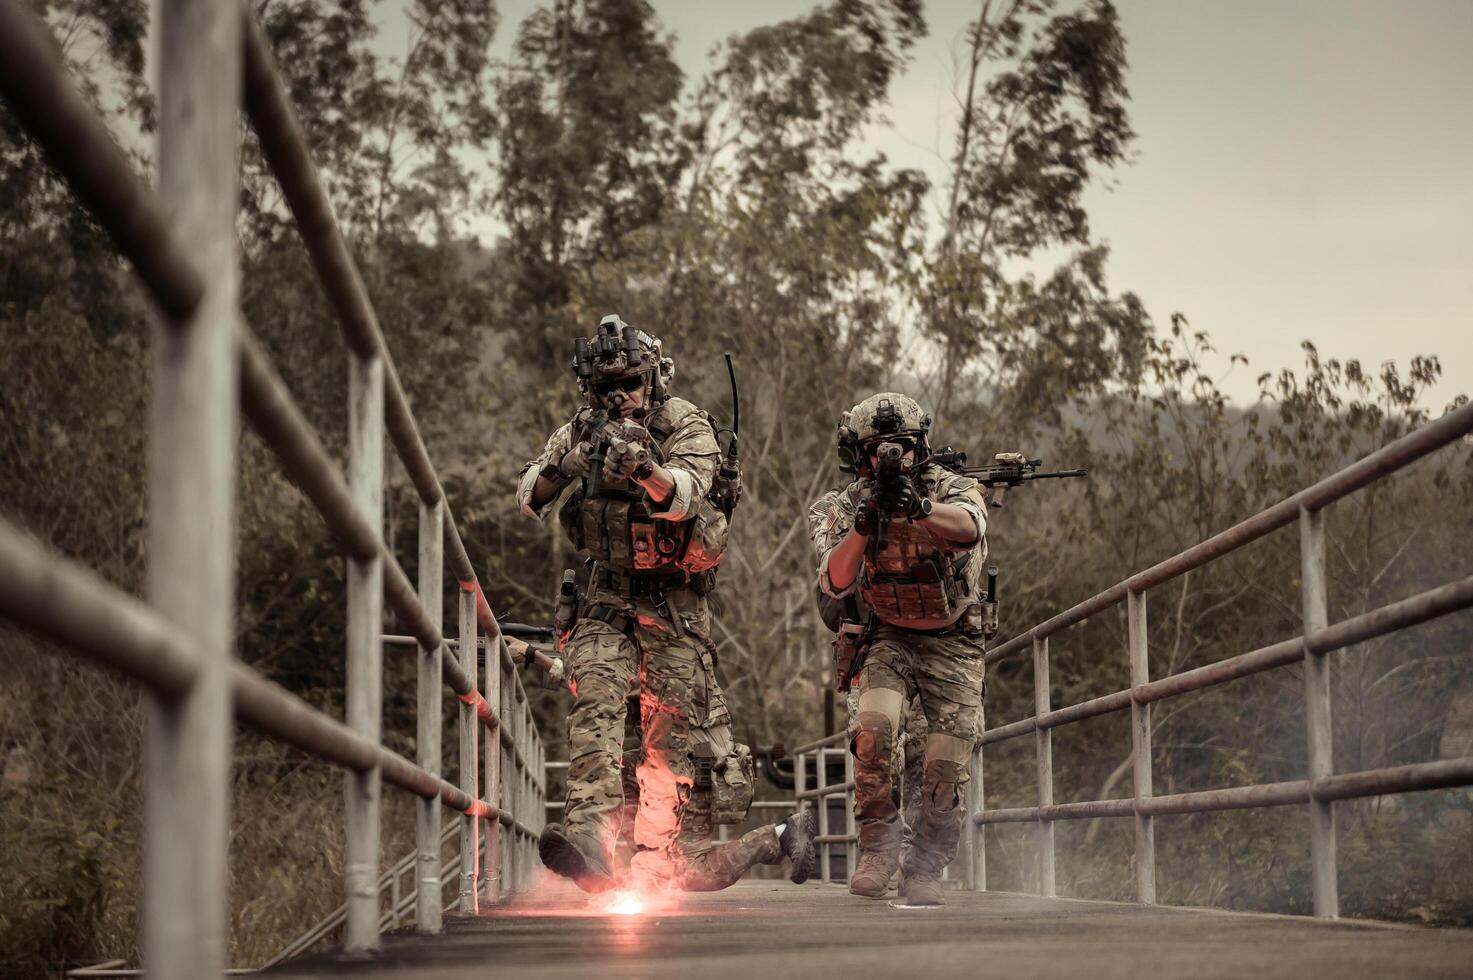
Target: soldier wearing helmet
column 641, row 464
column 912, row 548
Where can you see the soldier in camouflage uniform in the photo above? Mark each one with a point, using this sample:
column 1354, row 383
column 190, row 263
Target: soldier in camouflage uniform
column 645, row 518
column 913, row 549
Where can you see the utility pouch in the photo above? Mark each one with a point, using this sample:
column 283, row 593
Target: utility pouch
column 849, row 645
column 732, row 785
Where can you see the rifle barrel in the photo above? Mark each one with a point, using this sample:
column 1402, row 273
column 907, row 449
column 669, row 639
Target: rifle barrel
column 1056, row 475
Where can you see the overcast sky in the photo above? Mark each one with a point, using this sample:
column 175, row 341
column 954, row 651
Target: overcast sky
column 1302, row 167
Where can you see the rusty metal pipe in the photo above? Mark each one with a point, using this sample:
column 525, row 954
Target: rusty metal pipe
column 1089, row 809
column 1275, row 655
column 285, row 147
column 1020, row 814
column 1233, row 798
column 65, row 602
column 1429, row 438
column 77, row 143
column 1004, row 732
column 1118, row 701
column 1398, row 615
column 1396, row 779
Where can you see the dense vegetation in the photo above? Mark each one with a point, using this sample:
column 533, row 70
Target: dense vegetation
column 738, row 211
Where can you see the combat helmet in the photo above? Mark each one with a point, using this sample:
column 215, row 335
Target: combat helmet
column 618, row 355
column 886, row 415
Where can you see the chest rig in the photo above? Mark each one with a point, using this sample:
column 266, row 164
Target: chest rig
column 616, row 528
column 913, row 577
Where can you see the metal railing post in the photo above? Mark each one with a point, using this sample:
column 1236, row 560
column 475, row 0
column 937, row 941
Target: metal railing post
column 800, row 780
column 191, row 534
column 513, row 857
column 430, row 694
column 470, row 826
column 1044, row 747
column 518, row 788
column 851, row 846
column 1317, row 713
column 529, row 790
column 539, row 812
column 822, row 782
column 365, row 656
column 491, row 878
column 1140, row 749
column 974, row 835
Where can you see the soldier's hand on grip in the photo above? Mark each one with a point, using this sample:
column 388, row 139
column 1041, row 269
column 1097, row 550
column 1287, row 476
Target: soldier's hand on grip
column 901, row 499
column 867, row 517
column 575, row 462
column 624, row 459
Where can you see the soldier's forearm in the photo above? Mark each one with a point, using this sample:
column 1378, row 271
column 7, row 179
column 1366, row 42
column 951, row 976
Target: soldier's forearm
column 660, row 485
column 845, row 560
column 544, row 491
column 950, row 523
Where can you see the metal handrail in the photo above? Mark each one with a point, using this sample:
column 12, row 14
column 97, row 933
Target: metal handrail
column 188, row 762
column 1311, row 648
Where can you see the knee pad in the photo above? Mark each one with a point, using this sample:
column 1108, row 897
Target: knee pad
column 941, row 785
column 874, row 740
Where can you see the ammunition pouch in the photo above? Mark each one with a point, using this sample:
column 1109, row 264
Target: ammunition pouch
column 615, row 528
column 731, row 782
column 653, row 586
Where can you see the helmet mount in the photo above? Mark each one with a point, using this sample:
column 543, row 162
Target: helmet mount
column 617, row 354
column 884, row 416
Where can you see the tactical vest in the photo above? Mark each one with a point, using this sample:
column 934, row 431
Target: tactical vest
column 912, row 578
column 617, row 529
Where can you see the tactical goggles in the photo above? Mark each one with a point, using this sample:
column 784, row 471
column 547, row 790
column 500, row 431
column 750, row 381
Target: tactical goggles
column 633, row 382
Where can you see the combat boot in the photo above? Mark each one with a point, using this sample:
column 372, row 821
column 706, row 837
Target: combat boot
column 871, row 877
column 576, row 856
column 921, row 889
column 796, row 841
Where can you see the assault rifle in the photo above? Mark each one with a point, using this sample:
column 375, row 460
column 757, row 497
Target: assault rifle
column 889, row 471
column 552, row 672
column 1007, row 470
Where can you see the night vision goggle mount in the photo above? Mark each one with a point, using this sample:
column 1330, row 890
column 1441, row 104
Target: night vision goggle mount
column 619, row 350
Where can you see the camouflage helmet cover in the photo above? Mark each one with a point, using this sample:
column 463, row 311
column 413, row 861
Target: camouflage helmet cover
column 885, row 415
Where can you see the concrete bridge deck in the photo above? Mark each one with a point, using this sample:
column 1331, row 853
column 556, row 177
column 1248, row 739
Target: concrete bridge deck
column 769, row 930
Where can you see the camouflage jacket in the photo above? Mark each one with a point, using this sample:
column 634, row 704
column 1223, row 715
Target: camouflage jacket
column 832, row 515
column 690, row 453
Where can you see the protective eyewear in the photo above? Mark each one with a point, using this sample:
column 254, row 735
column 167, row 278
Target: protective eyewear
column 632, row 383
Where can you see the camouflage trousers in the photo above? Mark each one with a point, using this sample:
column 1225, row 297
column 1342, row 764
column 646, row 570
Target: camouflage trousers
column 907, row 762
column 669, row 664
column 699, row 864
column 944, row 675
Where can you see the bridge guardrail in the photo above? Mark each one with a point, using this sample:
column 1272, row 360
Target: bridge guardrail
column 1319, row 638
column 177, row 645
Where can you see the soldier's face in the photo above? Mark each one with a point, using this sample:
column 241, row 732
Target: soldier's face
column 623, row 395
column 632, row 400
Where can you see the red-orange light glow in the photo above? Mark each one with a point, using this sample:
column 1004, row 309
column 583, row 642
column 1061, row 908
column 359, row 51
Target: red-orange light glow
column 625, row 903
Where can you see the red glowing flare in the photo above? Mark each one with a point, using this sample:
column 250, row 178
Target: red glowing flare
column 625, row 903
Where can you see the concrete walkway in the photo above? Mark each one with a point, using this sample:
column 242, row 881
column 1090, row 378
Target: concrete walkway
column 768, row 930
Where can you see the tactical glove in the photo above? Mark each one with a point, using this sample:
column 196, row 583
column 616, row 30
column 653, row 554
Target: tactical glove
column 624, row 459
column 867, row 518
column 575, row 462
column 901, row 500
